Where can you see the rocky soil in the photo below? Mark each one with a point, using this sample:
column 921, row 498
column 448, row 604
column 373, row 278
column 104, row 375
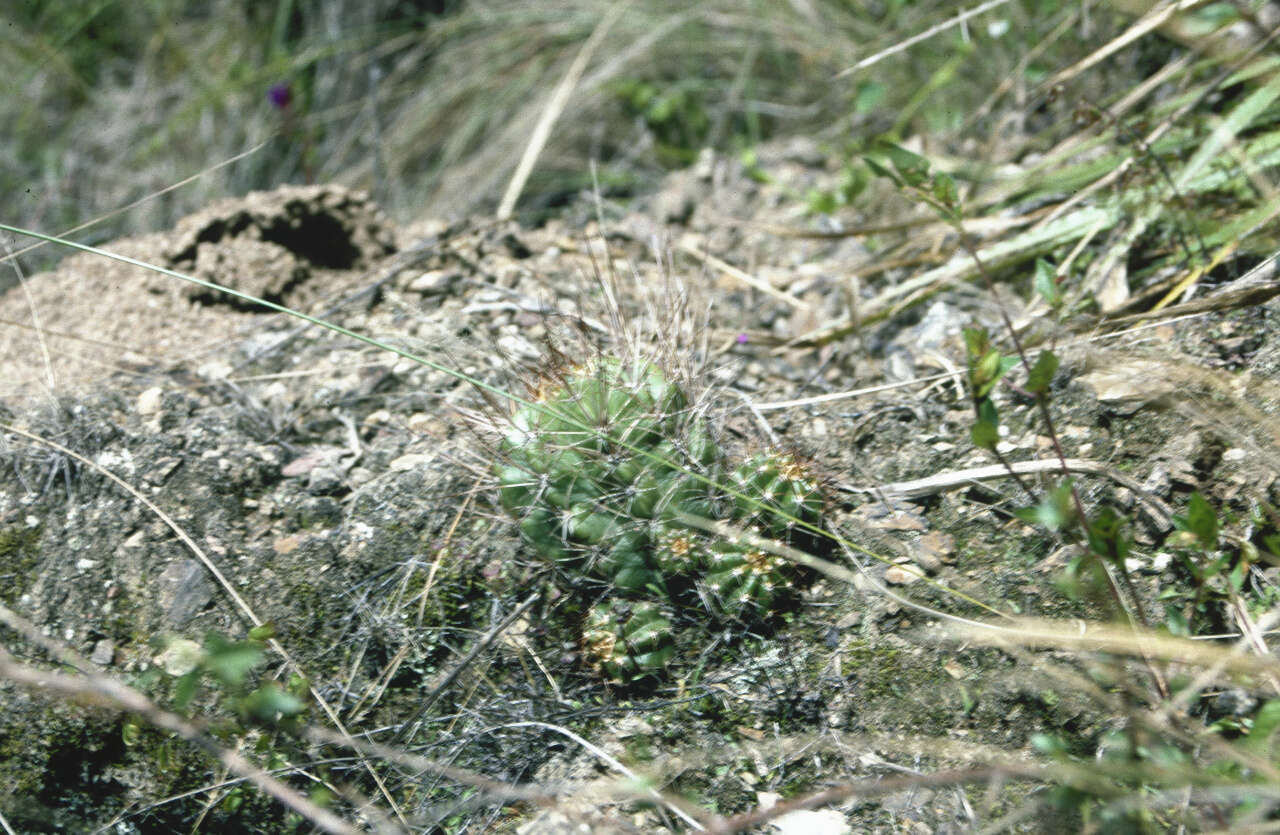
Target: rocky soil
column 346, row 493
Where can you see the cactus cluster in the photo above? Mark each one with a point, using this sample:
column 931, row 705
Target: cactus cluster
column 602, row 471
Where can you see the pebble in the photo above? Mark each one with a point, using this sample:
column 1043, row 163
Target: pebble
column 103, row 652
column 150, row 401
column 897, row 575
column 434, row 282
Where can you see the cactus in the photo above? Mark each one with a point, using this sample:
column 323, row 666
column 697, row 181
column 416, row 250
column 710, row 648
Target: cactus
column 601, row 470
column 626, row 641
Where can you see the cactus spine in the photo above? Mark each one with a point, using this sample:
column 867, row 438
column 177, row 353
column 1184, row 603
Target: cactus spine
column 599, row 472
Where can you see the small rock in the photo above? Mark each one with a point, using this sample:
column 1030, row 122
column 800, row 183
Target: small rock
column 811, row 822
column 900, row 520
column 1126, row 390
column 408, row 462
column 849, row 619
column 150, row 401
column 313, row 458
column 517, row 347
column 103, row 652
column 897, row 575
column 939, row 546
column 184, row 591
column 325, row 479
column 435, row 282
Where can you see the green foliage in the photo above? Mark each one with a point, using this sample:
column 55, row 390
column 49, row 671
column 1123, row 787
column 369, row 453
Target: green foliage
column 1217, row 571
column 851, row 181
column 913, row 175
column 986, row 366
column 228, row 664
column 676, row 115
column 603, row 473
column 1045, row 284
column 1055, row 512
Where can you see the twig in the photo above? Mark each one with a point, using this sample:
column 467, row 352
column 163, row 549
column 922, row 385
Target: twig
column 405, row 734
column 939, row 482
column 744, row 277
column 845, row 395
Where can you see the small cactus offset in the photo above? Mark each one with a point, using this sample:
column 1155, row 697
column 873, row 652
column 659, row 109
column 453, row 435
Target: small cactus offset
column 776, row 492
column 601, row 469
column 627, row 640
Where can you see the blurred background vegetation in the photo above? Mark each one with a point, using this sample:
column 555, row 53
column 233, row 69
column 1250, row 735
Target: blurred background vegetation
column 429, row 103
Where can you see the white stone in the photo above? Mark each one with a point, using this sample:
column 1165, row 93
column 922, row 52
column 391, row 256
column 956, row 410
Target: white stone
column 150, row 401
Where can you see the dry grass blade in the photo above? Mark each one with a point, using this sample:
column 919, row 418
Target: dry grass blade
column 555, row 106
column 1082, row 637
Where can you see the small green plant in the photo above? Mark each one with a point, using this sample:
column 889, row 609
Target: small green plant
column 603, row 471
column 228, row 664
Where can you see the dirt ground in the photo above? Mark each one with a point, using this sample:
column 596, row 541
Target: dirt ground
column 347, row 494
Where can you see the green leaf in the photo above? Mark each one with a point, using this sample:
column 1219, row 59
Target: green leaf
column 1202, row 521
column 976, row 342
column 271, row 703
column 1106, row 537
column 1265, row 724
column 990, row 369
column 1049, row 746
column 1055, row 511
column 230, row 661
column 184, row 690
column 880, row 170
column 263, row 633
column 985, row 434
column 1042, row 372
column 130, row 731
column 944, row 189
column 913, row 168
column 1176, row 623
column 987, row 369
column 1238, row 573
column 868, row 96
column 1046, row 283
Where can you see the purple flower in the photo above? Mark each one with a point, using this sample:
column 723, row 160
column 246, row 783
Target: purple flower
column 279, row 95
column 742, row 339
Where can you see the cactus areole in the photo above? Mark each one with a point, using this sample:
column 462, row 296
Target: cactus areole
column 598, row 470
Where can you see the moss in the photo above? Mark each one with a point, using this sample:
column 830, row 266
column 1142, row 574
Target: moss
column 20, row 558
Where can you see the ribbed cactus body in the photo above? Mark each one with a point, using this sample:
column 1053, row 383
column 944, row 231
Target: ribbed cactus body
column 773, row 491
column 603, row 470
column 743, row 581
column 627, row 640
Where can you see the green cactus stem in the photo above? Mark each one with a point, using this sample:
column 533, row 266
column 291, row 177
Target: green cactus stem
column 605, row 446
column 626, row 641
column 773, row 490
column 742, row 581
column 602, row 472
